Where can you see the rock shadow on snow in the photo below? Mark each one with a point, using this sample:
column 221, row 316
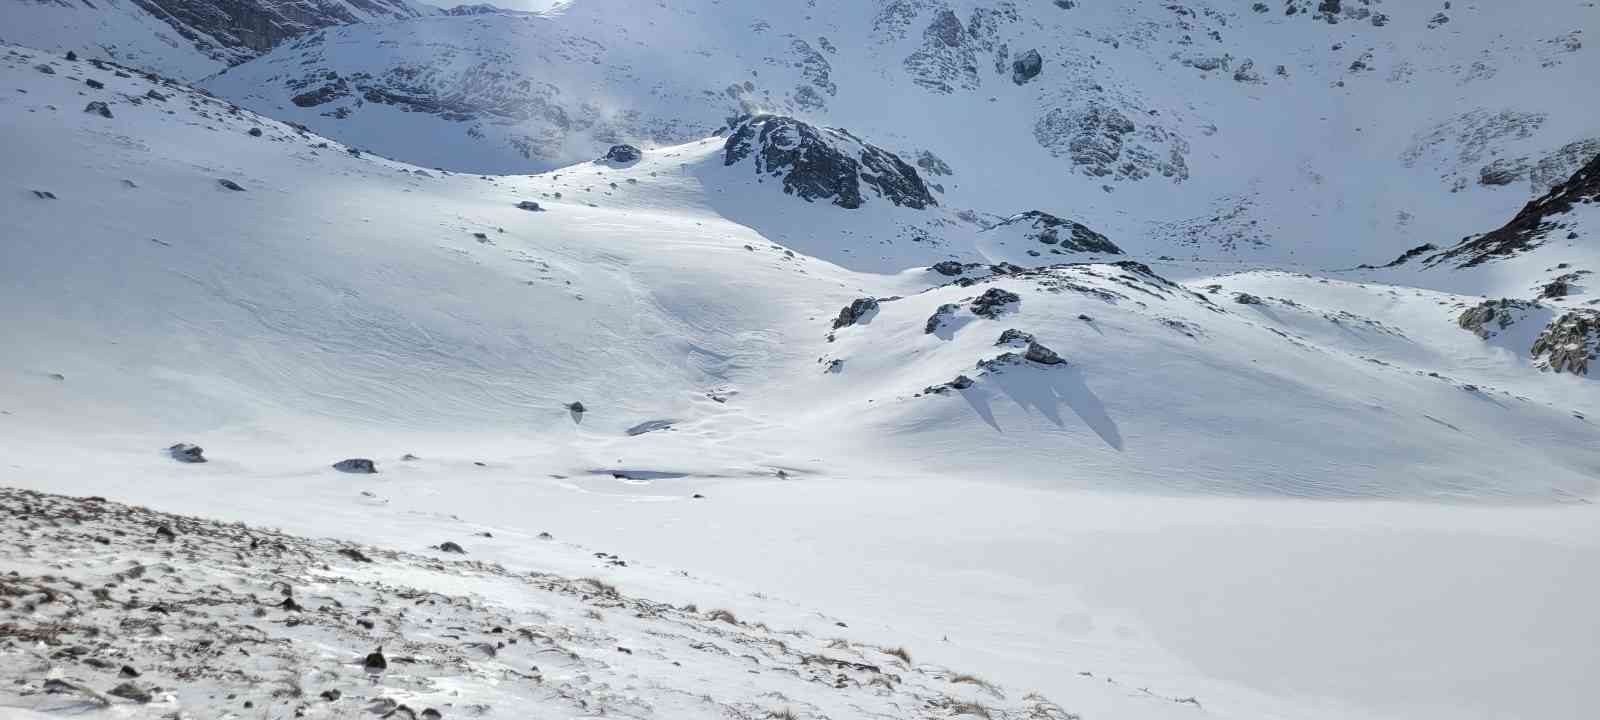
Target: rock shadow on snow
column 1045, row 392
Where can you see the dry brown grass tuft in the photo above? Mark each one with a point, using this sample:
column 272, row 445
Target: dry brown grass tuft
column 898, row 652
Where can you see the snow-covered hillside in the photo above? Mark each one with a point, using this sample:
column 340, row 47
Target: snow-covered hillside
column 1276, row 131
column 835, row 369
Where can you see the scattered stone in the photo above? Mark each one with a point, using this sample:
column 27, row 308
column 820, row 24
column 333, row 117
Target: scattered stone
column 331, row 695
column 993, row 302
column 44, row 194
column 131, row 691
column 855, row 312
column 649, row 426
column 1085, row 318
column 530, row 206
column 948, row 268
column 576, row 407
column 356, row 465
column 229, row 184
column 835, row 366
column 72, row 56
column 46, row 69
column 185, row 452
column 431, row 714
column 127, row 672
column 165, row 533
column 153, row 95
column 1014, row 337
column 376, row 661
column 623, row 154
column 408, row 457
column 451, row 547
column 93, row 83
column 255, row 132
column 1245, row 298
column 97, row 107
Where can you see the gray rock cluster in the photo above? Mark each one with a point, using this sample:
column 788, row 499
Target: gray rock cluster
column 855, row 311
column 1569, row 342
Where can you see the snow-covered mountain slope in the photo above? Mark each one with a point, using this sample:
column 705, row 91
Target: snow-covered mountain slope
column 1182, row 128
column 187, row 39
column 353, row 291
column 178, row 269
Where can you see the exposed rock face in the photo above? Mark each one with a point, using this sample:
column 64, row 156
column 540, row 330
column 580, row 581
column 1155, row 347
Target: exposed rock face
column 948, row 268
column 356, row 465
column 1569, row 342
column 1245, row 298
column 1026, row 67
column 1103, row 142
column 1015, row 338
column 993, row 302
column 184, row 452
column 1411, row 254
column 824, row 163
column 233, row 31
column 1530, row 226
column 1067, row 235
column 1489, row 317
column 623, row 154
column 855, row 311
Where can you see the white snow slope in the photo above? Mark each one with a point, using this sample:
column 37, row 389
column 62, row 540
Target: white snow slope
column 1122, row 532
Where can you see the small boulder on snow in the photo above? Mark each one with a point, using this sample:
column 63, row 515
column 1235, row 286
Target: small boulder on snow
column 93, row 83
column 451, row 547
column 229, row 184
column 185, row 452
column 1041, row 354
column 623, row 154
column 356, row 465
column 1245, row 298
column 948, row 268
column 530, row 206
column 97, row 107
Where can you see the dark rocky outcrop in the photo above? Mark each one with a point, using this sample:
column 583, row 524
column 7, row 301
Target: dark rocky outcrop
column 623, row 154
column 1245, row 298
column 1015, row 338
column 184, row 452
column 1065, row 235
column 1026, row 67
column 356, row 465
column 855, row 311
column 948, row 268
column 993, row 302
column 93, row 83
column 1489, row 317
column 936, row 320
column 824, row 163
column 530, row 206
column 97, row 107
column 1569, row 342
column 1530, row 226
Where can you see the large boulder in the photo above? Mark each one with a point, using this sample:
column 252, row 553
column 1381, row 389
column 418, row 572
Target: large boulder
column 1026, row 67
column 1569, row 342
column 185, row 452
column 993, row 302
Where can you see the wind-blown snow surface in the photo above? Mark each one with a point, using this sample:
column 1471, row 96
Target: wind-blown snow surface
column 343, row 305
column 1185, row 128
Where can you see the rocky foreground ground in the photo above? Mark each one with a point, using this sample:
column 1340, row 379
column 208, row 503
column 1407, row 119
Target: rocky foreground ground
column 111, row 609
